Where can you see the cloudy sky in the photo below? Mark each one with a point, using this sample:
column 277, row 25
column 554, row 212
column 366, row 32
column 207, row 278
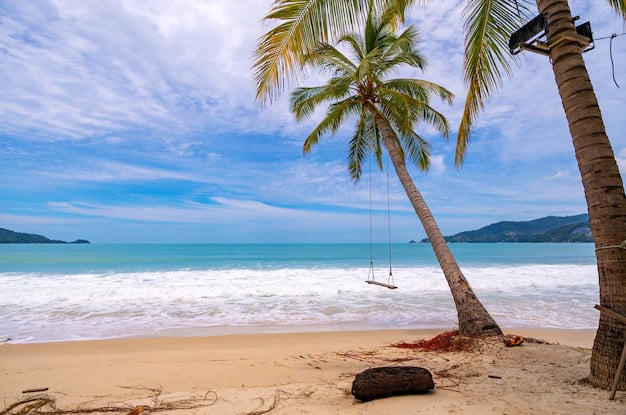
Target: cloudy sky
column 135, row 121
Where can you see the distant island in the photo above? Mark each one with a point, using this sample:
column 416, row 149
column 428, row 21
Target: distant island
column 10, row 237
column 548, row 229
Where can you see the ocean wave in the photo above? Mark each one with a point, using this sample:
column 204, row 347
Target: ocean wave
column 44, row 307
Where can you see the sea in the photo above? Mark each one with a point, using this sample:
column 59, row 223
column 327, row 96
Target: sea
column 67, row 292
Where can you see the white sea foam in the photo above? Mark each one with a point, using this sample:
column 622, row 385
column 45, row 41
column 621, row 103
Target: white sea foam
column 40, row 307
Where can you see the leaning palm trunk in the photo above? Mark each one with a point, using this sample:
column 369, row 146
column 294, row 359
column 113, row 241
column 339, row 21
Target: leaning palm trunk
column 474, row 320
column 604, row 189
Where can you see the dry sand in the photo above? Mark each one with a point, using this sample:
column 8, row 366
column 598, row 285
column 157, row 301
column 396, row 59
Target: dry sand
column 307, row 373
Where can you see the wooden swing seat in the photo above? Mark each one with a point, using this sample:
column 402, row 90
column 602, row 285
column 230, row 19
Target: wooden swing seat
column 382, row 284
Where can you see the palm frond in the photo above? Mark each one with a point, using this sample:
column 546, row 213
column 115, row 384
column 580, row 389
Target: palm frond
column 359, row 147
column 337, row 113
column 488, row 25
column 330, row 59
column 377, row 144
column 405, row 110
column 400, row 109
column 399, row 51
column 372, row 140
column 619, row 6
column 407, row 39
column 301, row 25
column 435, row 119
column 419, row 89
column 304, row 101
column 396, row 8
column 355, row 41
column 414, row 60
column 416, row 149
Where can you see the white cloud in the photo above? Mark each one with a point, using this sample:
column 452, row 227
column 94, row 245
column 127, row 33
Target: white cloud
column 317, row 182
column 86, row 69
column 560, row 174
column 222, row 211
column 79, row 69
column 109, row 171
column 437, row 164
column 20, row 223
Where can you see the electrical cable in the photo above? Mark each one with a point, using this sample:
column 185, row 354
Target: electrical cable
column 613, row 36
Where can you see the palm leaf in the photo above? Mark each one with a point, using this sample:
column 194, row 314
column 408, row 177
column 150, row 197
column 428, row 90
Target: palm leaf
column 359, row 146
column 336, row 115
column 302, row 24
column 619, row 6
column 488, row 25
column 417, row 150
column 396, row 8
column 405, row 111
column 414, row 60
column 376, row 143
column 435, row 119
column 329, row 59
column 304, row 100
column 398, row 51
column 355, row 41
column 400, row 109
column 419, row 89
column 407, row 39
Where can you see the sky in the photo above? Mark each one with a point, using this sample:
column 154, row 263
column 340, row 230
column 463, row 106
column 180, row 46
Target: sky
column 135, row 121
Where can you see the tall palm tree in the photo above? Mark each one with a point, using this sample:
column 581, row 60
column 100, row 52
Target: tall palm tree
column 279, row 57
column 386, row 112
column 489, row 23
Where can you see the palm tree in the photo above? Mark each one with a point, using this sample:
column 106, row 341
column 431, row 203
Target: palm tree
column 489, row 24
column 386, row 111
column 279, row 57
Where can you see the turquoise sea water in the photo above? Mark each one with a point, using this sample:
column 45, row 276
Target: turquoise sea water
column 65, row 292
column 47, row 258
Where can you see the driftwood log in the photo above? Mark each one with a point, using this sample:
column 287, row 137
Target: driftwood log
column 382, row 382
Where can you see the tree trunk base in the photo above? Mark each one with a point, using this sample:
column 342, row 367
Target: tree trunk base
column 382, row 382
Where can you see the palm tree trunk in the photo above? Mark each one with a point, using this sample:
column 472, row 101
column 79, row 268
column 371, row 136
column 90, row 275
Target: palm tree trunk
column 474, row 320
column 604, row 189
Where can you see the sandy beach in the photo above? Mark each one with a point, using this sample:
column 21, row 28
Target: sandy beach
column 304, row 373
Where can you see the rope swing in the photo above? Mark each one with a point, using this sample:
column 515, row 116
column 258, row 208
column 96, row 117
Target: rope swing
column 370, row 274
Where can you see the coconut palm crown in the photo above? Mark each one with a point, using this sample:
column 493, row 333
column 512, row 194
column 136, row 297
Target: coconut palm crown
column 386, row 113
column 358, row 88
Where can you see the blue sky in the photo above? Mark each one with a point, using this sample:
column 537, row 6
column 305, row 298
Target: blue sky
column 134, row 121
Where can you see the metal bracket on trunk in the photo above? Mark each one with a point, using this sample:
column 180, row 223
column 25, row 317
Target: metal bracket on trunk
column 529, row 37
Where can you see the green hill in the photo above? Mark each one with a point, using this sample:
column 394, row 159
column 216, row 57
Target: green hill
column 548, row 229
column 10, row 237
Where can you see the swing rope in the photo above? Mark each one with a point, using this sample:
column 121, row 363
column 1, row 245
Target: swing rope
column 390, row 277
column 370, row 274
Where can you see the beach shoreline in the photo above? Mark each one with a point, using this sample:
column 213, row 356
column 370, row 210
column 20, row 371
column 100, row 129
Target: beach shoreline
column 577, row 337
column 116, row 291
column 311, row 372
